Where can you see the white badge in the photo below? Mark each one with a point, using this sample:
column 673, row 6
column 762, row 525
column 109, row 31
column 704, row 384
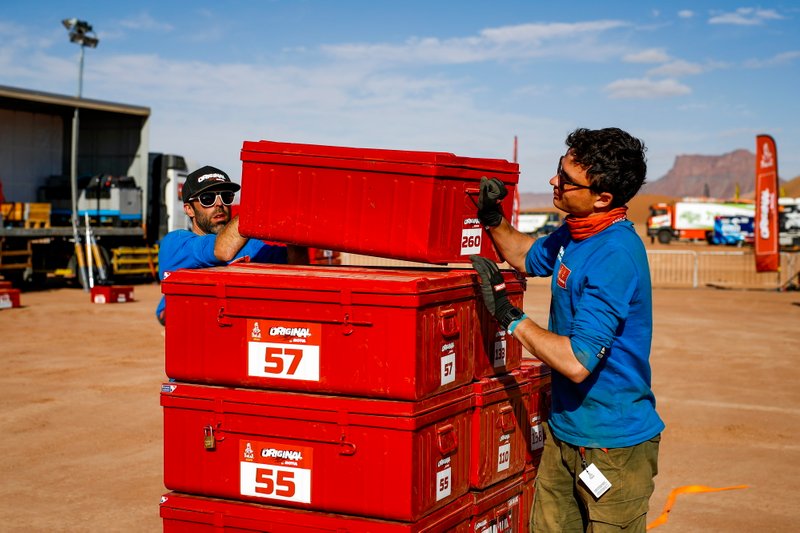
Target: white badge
column 595, row 480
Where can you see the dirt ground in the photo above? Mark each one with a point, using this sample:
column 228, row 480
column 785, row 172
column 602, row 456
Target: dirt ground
column 81, row 422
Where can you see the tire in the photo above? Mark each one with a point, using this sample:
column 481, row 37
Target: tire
column 664, row 236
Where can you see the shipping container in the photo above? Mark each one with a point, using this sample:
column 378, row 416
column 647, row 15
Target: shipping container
column 111, row 294
column 538, row 408
column 384, row 459
column 497, row 352
column 498, row 508
column 528, row 490
column 184, row 513
column 408, row 205
column 9, row 298
column 383, row 333
column 498, row 421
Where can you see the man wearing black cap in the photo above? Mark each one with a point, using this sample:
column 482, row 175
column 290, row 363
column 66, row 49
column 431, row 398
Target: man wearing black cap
column 214, row 238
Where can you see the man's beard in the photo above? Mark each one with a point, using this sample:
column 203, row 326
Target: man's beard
column 204, row 221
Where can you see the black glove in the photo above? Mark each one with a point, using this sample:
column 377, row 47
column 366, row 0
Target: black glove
column 493, row 289
column 492, row 193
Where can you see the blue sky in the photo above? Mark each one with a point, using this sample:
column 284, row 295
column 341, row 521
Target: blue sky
column 456, row 76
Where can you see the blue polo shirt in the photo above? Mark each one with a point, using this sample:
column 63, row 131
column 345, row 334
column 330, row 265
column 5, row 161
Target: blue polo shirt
column 602, row 301
column 185, row 249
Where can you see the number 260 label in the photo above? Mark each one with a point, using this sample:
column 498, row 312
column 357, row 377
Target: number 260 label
column 470, row 241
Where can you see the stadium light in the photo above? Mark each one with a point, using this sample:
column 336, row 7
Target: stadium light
column 81, row 33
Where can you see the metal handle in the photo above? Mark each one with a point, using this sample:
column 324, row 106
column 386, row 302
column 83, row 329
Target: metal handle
column 506, row 420
column 446, row 439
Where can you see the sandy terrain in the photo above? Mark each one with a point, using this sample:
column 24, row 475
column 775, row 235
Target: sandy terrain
column 81, row 443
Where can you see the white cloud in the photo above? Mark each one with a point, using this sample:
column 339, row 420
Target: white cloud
column 746, row 16
column 783, row 58
column 651, row 55
column 646, row 89
column 145, row 22
column 577, row 40
column 676, row 69
column 685, row 13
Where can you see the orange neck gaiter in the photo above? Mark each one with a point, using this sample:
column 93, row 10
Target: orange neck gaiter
column 584, row 227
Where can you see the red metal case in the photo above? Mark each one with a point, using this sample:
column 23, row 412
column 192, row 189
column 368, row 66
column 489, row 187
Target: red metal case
column 538, row 409
column 416, row 206
column 498, row 508
column 497, row 352
column 112, row 294
column 382, row 333
column 11, row 298
column 379, row 458
column 528, row 490
column 498, row 439
column 183, row 513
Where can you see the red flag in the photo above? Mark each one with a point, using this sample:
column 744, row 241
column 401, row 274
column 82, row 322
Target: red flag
column 766, row 226
column 515, row 210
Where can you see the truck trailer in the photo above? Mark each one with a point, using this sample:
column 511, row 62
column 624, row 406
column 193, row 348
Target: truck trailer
column 691, row 218
column 128, row 197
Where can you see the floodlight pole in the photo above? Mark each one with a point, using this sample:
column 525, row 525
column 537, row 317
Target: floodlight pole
column 73, row 169
column 79, row 31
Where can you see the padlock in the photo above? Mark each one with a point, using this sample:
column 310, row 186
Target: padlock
column 209, row 440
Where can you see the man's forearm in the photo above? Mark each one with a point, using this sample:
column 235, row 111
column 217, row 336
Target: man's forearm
column 229, row 241
column 512, row 244
column 552, row 349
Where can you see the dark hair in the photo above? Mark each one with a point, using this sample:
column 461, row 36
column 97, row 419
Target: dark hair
column 614, row 161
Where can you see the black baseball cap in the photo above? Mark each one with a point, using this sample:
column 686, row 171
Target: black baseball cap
column 205, row 179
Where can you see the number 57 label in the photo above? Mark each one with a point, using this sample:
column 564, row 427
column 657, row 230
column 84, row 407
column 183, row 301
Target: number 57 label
column 284, row 350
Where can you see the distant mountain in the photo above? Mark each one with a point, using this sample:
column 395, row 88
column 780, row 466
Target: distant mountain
column 535, row 200
column 693, row 175
column 707, row 175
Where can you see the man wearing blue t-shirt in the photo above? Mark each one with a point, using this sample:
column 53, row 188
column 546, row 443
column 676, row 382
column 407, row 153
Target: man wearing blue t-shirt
column 214, row 238
column 601, row 441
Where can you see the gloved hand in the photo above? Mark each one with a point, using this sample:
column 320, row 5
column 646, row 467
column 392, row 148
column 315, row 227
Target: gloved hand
column 493, row 290
column 491, row 194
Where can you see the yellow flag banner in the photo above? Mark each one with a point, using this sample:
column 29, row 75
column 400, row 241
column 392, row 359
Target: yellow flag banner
column 686, row 489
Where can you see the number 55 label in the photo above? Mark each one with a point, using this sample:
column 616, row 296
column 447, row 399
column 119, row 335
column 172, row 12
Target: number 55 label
column 284, row 350
column 275, row 471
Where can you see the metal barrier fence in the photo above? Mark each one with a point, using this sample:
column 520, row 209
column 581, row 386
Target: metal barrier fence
column 673, row 268
column 734, row 269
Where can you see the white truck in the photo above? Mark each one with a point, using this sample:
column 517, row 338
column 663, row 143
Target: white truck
column 130, row 196
column 789, row 222
column 538, row 223
column 691, row 219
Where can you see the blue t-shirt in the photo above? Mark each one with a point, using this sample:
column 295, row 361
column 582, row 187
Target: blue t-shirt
column 602, row 301
column 185, row 249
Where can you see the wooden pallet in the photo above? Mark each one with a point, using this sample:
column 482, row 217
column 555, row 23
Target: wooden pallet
column 15, row 258
column 128, row 260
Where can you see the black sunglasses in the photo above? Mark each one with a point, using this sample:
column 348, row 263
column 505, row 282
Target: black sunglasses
column 208, row 199
column 564, row 179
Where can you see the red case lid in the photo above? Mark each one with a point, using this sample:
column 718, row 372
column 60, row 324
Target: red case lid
column 318, row 407
column 533, row 367
column 497, row 388
column 376, row 159
column 326, row 278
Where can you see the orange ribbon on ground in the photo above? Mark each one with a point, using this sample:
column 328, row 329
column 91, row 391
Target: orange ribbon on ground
column 686, row 489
